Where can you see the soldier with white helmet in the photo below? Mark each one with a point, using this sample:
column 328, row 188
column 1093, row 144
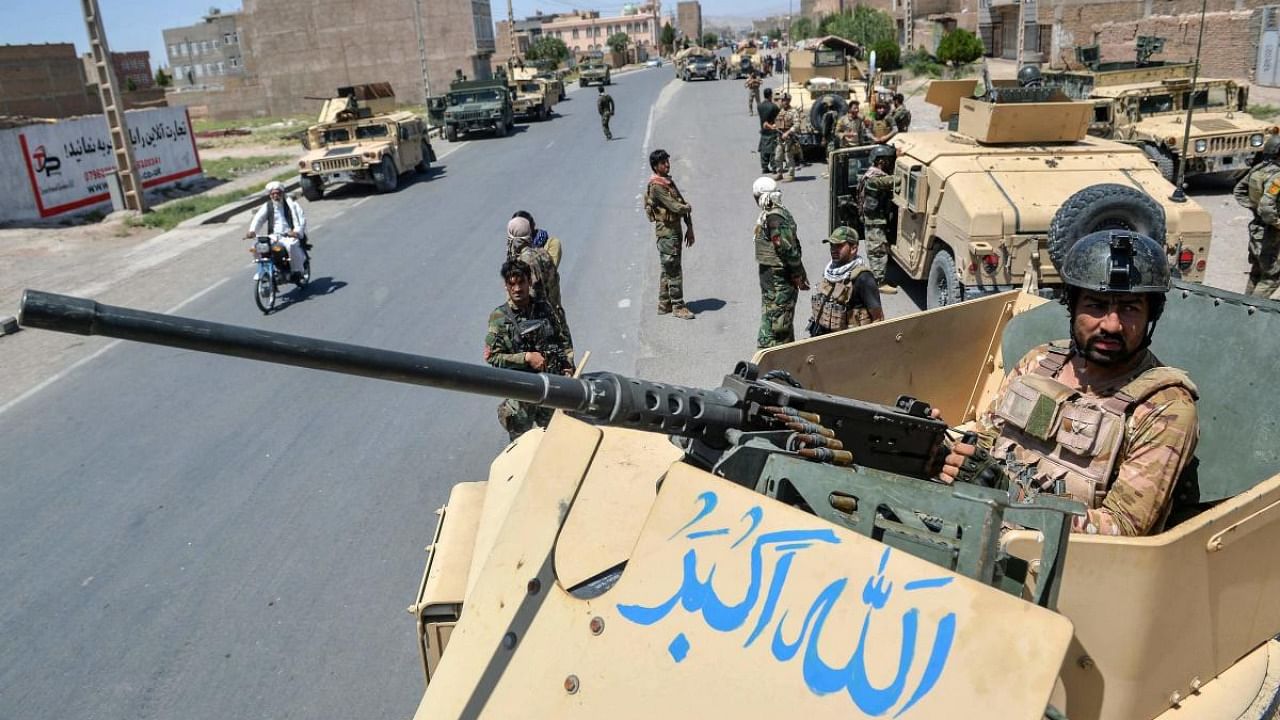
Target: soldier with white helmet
column 1097, row 418
column 782, row 273
column 282, row 217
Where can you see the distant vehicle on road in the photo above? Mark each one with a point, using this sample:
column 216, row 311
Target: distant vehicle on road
column 478, row 106
column 653, row 62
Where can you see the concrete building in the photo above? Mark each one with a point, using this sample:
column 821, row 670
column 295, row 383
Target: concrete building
column 689, row 19
column 207, row 53
column 585, row 30
column 45, row 80
column 527, row 32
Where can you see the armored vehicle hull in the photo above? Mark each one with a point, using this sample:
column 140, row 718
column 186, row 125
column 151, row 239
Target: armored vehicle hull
column 594, row 72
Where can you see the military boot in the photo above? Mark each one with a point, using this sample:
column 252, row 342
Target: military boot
column 682, row 312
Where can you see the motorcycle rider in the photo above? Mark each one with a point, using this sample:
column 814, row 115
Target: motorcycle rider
column 283, row 217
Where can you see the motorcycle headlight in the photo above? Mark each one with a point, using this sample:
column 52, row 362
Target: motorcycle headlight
column 1255, row 140
column 263, row 247
column 315, row 167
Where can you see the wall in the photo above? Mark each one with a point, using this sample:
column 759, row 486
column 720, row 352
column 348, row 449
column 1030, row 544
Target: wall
column 1078, row 23
column 1230, row 40
column 57, row 169
column 44, row 81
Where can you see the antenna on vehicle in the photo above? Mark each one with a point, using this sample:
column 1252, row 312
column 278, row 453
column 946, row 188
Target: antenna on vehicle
column 1178, row 194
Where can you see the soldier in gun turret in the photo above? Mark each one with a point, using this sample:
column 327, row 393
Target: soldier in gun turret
column 1097, row 418
column 875, row 199
column 781, row 269
column 1259, row 191
column 525, row 333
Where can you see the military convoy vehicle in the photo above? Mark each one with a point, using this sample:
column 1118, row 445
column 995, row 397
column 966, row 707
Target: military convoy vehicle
column 478, row 106
column 1145, row 103
column 552, row 86
column 531, row 100
column 695, row 62
column 603, row 571
column 973, row 207
column 745, row 60
column 360, row 137
column 826, row 72
column 593, row 69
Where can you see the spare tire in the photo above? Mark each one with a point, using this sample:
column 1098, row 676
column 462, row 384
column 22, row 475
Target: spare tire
column 1107, row 206
column 815, row 109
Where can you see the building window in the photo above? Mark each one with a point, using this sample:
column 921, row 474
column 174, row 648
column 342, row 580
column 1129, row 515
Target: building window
column 575, row 34
column 221, row 70
column 226, row 38
column 195, row 70
column 235, row 62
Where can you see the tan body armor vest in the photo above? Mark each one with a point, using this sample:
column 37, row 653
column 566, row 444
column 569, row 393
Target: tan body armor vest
column 1057, row 440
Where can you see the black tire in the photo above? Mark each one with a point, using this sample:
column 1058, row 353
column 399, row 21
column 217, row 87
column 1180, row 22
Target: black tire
column 312, row 188
column 264, row 293
column 387, row 178
column 425, row 163
column 1108, row 206
column 1164, row 161
column 500, row 130
column 582, row 83
column 450, row 133
column 942, row 287
column 816, row 111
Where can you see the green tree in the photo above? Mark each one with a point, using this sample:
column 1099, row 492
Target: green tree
column 548, row 48
column 865, row 26
column 710, row 40
column 802, row 28
column 960, row 47
column 163, row 79
column 130, row 85
column 888, row 55
column 667, row 38
column 775, row 33
column 618, row 42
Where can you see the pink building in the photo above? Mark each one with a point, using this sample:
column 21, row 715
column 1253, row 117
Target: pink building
column 585, row 30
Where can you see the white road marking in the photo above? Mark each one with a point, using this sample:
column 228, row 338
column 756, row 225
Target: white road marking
column 100, row 351
column 624, row 303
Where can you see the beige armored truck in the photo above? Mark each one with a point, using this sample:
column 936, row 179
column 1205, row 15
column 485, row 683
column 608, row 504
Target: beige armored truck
column 745, row 60
column 531, row 101
column 829, row 71
column 1145, row 103
column 973, row 207
column 552, row 87
column 360, row 137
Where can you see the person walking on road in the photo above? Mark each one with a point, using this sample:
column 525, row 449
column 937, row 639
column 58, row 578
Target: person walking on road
column 604, row 106
column 667, row 210
column 781, row 269
column 847, row 296
column 875, row 197
column 1258, row 191
column 768, row 115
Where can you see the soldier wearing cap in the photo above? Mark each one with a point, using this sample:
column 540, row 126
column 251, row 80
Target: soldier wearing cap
column 1097, row 418
column 847, row 296
column 1259, row 191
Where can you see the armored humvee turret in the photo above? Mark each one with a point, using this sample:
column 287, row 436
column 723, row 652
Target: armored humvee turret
column 360, row 137
column 973, row 206
column 1144, row 102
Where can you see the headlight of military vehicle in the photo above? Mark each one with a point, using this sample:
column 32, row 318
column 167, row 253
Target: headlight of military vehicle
column 1255, row 140
column 315, row 167
column 355, row 162
column 1202, row 145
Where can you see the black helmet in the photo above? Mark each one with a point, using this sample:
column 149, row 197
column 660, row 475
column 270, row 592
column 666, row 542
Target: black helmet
column 1116, row 261
column 1029, row 76
column 1271, row 147
column 882, row 151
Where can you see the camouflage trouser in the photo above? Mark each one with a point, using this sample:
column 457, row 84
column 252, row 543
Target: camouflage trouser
column 768, row 146
column 604, row 123
column 1264, row 261
column 518, row 418
column 786, row 156
column 671, row 281
column 877, row 251
column 777, row 307
column 753, row 99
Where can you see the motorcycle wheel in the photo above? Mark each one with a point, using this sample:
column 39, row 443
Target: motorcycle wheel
column 264, row 293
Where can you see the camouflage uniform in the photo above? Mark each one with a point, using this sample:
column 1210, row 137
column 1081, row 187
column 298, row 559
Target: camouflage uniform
column 753, row 94
column 901, row 118
column 875, row 200
column 1118, row 448
column 778, row 255
column 836, row 307
column 851, row 131
column 787, row 153
column 604, row 106
column 505, row 348
column 1259, row 191
column 666, row 208
column 546, row 275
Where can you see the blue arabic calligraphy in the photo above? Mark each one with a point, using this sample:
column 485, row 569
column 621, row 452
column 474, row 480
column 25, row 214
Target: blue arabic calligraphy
column 699, row 597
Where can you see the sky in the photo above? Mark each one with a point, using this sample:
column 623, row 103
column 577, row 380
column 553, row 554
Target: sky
column 136, row 24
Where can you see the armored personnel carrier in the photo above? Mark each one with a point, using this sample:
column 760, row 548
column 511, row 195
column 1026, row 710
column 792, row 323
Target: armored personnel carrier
column 1144, row 102
column 973, row 206
column 602, row 571
column 360, row 137
column 478, row 106
column 745, row 60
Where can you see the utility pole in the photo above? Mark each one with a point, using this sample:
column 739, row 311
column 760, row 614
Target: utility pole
column 113, row 111
column 422, row 51
column 909, row 24
column 511, row 33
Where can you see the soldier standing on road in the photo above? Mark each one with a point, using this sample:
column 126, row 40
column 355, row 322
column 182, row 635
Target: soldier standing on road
column 847, row 296
column 753, row 92
column 851, row 130
column 781, row 269
column 875, row 199
column 829, row 119
column 525, row 333
column 900, row 116
column 667, row 208
column 1259, row 191
column 768, row 115
column 788, row 150
column 604, row 106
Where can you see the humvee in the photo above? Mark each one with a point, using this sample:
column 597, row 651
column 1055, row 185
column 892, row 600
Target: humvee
column 552, row 87
column 745, row 60
column 827, row 70
column 531, row 101
column 695, row 62
column 1145, row 102
column 360, row 137
column 478, row 106
column 593, row 69
column 973, row 206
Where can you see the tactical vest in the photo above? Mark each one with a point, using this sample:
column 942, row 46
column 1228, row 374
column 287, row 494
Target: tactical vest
column 546, row 277
column 874, row 202
column 1057, row 440
column 766, row 253
column 786, row 119
column 667, row 222
column 1258, row 179
column 833, row 303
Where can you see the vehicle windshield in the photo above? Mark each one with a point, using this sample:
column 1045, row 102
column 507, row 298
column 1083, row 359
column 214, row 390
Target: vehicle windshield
column 1214, row 96
column 471, row 98
column 530, row 87
column 335, row 135
column 828, row 58
column 367, row 132
column 1155, row 104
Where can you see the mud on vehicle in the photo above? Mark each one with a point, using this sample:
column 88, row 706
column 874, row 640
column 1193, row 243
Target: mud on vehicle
column 478, row 106
column 361, row 138
column 971, row 210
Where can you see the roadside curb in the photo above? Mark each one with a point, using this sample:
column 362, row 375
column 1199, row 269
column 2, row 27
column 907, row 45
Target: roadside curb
column 222, row 214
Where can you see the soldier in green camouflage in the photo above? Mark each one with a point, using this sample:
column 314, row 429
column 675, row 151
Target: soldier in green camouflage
column 667, row 209
column 900, row 116
column 875, row 199
column 782, row 273
column 1259, row 191
column 525, row 333
column 545, row 270
column 847, row 296
column 604, row 106
column 1098, row 419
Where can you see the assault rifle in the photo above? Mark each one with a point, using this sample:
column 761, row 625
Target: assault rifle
column 902, row 440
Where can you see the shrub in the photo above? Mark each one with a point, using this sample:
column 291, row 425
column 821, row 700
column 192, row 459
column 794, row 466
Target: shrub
column 888, row 55
column 960, row 47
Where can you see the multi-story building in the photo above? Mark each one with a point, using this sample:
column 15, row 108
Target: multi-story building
column 689, row 19
column 586, row 30
column 206, row 53
column 45, row 80
column 527, row 32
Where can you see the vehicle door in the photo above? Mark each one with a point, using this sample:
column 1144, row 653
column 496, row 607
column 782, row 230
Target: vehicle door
column 844, row 168
column 911, row 199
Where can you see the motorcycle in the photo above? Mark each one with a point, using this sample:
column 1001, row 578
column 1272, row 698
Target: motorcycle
column 272, row 269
